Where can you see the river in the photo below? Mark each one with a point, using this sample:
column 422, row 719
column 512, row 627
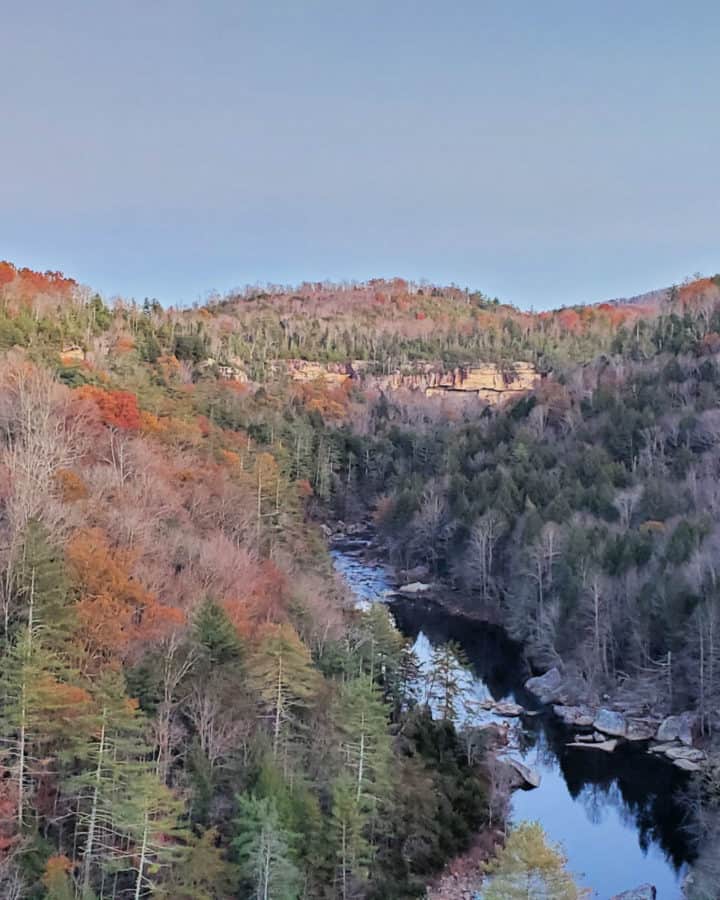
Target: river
column 616, row 815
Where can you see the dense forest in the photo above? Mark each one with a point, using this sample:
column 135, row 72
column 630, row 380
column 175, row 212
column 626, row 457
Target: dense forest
column 586, row 512
column 191, row 706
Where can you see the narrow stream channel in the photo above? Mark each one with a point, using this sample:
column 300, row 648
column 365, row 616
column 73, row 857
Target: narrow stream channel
column 616, row 815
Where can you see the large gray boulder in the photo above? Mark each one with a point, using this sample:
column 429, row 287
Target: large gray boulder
column 507, row 709
column 677, row 728
column 644, row 892
column 640, row 730
column 546, row 687
column 691, row 753
column 528, row 778
column 610, row 722
column 578, row 716
column 415, row 587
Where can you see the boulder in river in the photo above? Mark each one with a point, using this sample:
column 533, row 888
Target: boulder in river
column 677, row 728
column 415, row 587
column 644, row 892
column 691, row 753
column 529, row 778
column 606, row 746
column 640, row 730
column 506, row 709
column 579, row 716
column 687, row 765
column 546, row 687
column 689, row 759
column 610, row 722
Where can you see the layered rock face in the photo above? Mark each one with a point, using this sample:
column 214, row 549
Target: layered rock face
column 490, row 382
column 306, row 371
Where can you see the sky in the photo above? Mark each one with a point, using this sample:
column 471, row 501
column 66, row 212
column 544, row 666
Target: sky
column 547, row 152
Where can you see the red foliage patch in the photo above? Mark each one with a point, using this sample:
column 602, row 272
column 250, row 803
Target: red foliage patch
column 118, row 409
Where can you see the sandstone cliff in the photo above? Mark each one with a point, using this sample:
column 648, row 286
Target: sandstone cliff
column 489, row 382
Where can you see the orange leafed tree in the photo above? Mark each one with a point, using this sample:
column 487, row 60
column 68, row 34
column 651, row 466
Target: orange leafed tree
column 114, row 610
column 118, row 409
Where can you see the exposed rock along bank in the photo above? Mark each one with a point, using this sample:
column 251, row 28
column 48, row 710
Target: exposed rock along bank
column 602, row 728
column 672, row 737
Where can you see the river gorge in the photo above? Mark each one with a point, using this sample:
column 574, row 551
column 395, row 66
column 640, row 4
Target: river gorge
column 618, row 816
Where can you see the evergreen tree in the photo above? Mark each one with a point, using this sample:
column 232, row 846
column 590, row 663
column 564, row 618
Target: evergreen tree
column 283, row 676
column 362, row 718
column 262, row 850
column 216, row 635
column 352, row 850
column 202, row 873
column 445, row 680
column 124, row 813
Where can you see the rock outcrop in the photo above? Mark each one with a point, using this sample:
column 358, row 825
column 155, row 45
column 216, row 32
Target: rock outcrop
column 547, row 687
column 610, row 722
column 677, row 728
column 578, row 716
column 525, row 776
column 490, row 382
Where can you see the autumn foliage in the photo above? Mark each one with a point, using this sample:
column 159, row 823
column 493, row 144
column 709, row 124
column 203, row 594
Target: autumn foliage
column 118, row 409
column 115, row 612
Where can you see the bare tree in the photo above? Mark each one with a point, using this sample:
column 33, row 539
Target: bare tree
column 39, row 438
column 484, row 536
column 220, row 730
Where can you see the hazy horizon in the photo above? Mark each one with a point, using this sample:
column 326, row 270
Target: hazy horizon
column 546, row 155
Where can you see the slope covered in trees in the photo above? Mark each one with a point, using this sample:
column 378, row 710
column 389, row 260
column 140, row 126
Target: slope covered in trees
column 190, row 707
column 585, row 514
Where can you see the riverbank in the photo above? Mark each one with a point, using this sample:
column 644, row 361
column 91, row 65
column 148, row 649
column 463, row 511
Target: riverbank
column 596, row 724
column 592, row 803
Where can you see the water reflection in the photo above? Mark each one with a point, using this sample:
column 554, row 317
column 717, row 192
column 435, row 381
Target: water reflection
column 617, row 815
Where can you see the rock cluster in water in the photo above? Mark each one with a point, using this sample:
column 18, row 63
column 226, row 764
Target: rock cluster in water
column 671, row 737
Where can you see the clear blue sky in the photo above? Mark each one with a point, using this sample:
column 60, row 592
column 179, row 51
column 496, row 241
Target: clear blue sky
column 547, row 152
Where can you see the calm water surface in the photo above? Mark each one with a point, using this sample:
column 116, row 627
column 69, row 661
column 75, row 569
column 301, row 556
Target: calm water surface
column 616, row 815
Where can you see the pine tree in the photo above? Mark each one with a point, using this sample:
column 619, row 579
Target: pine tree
column 352, row 850
column 123, row 811
column 42, row 582
column 203, row 872
column 216, row 634
column 446, row 677
column 362, row 718
column 380, row 647
column 43, row 706
column 262, row 850
column 283, row 676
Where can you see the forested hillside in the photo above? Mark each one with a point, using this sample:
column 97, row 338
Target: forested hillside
column 191, row 707
column 585, row 514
